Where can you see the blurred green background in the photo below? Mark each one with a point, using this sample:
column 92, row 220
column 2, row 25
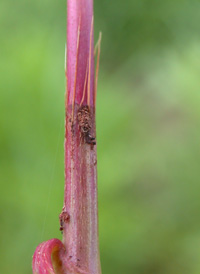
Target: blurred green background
column 148, row 133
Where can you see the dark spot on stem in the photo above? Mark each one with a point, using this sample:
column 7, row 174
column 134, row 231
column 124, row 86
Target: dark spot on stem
column 64, row 217
column 85, row 124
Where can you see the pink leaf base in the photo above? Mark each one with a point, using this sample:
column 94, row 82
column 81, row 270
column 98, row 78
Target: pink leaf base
column 47, row 257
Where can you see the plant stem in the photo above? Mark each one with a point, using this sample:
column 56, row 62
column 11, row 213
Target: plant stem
column 79, row 217
column 79, row 252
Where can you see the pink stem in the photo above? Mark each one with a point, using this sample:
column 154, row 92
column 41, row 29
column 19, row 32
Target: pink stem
column 79, row 252
column 79, row 49
column 79, row 217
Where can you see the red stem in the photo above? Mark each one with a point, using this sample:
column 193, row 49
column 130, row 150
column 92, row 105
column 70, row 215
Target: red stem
column 79, row 217
column 79, row 252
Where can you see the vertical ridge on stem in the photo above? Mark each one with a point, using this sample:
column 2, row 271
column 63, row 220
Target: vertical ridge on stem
column 97, row 66
column 90, row 56
column 85, row 85
column 76, row 67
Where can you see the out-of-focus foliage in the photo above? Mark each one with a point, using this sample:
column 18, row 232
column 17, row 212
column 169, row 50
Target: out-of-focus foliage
column 148, row 133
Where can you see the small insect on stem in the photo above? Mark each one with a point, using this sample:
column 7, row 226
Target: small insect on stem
column 84, row 120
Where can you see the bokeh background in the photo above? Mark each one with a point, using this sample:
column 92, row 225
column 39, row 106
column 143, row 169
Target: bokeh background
column 148, row 133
